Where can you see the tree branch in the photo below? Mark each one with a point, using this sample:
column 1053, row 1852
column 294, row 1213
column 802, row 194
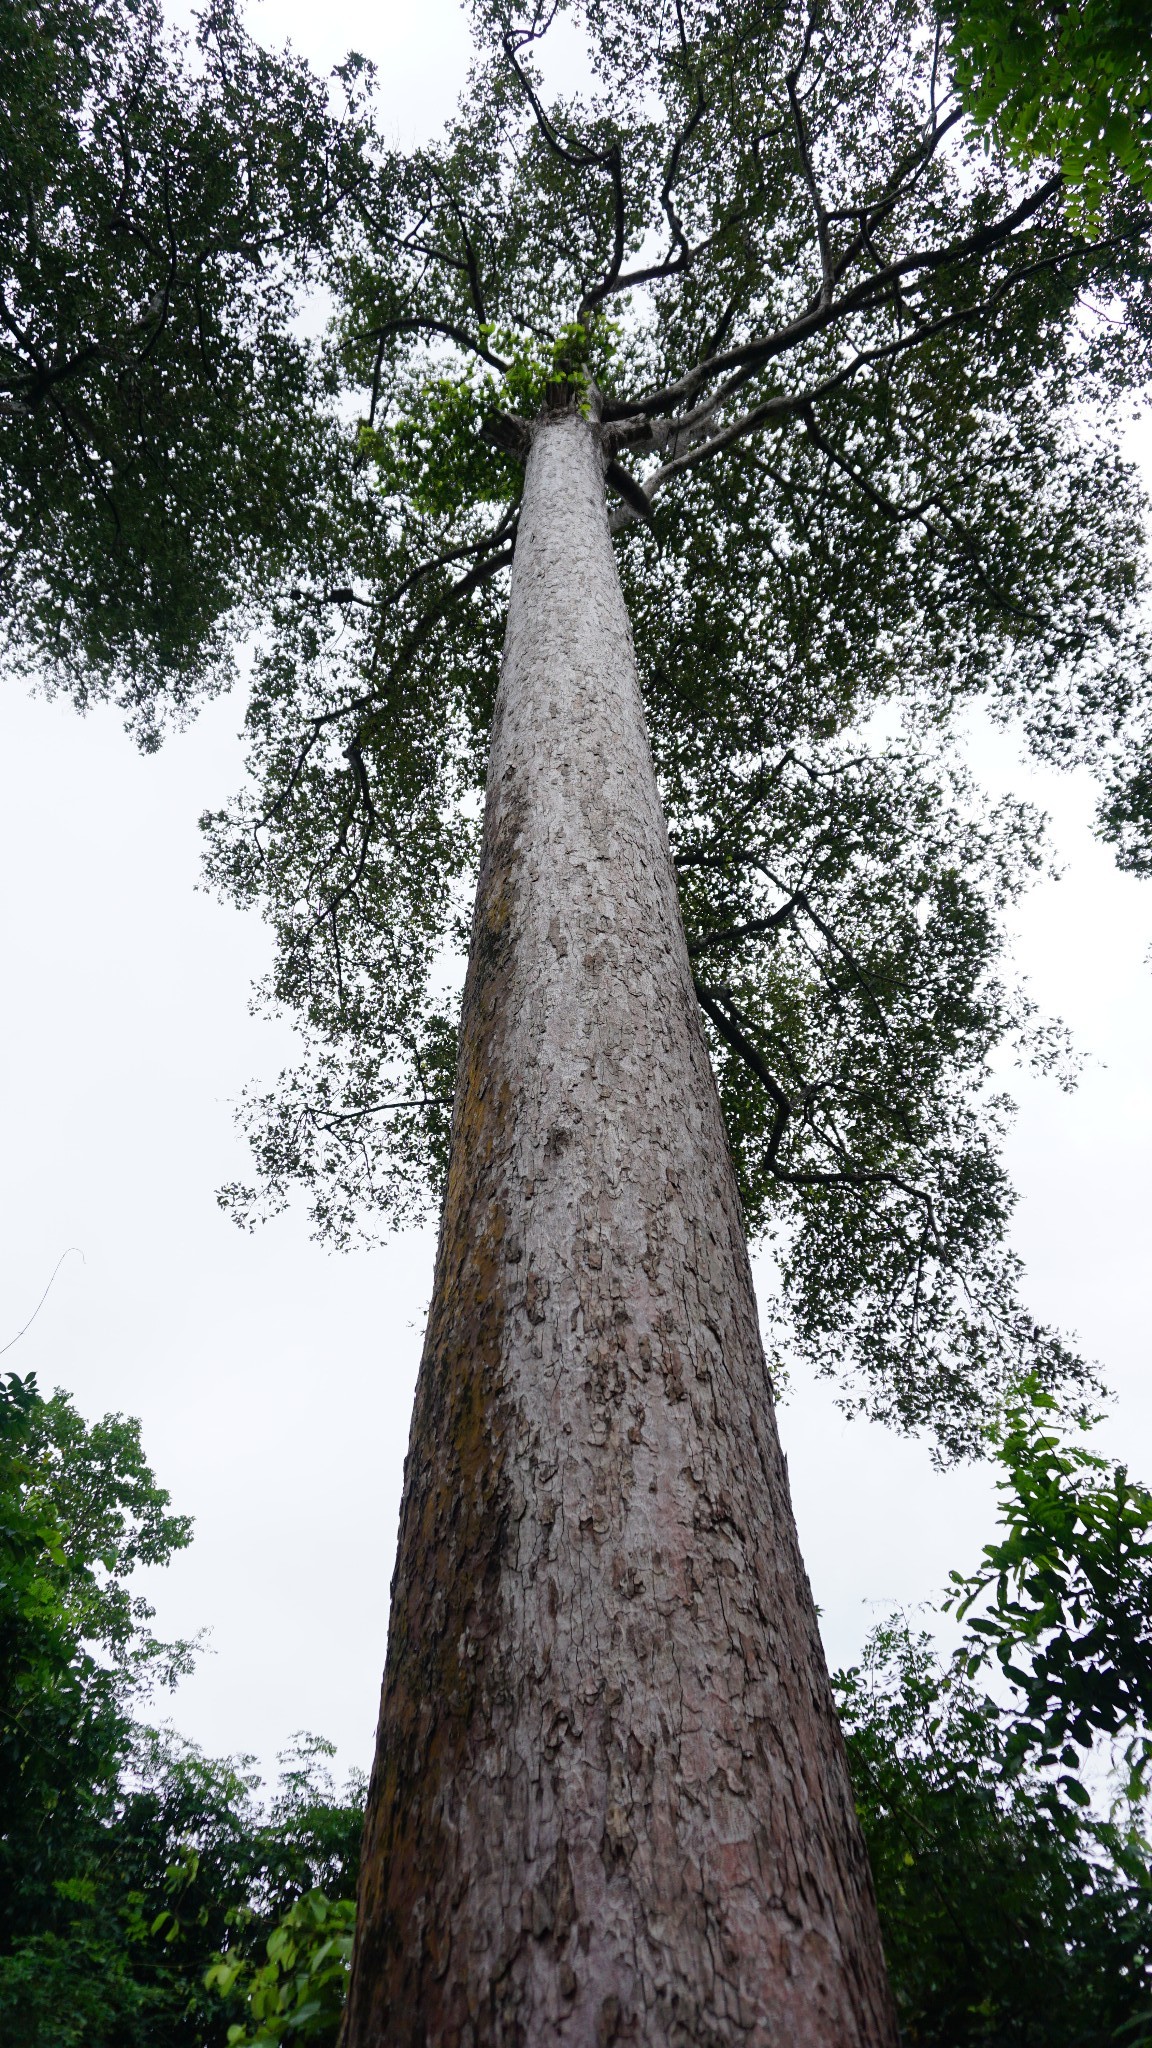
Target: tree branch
column 827, row 267
column 863, row 297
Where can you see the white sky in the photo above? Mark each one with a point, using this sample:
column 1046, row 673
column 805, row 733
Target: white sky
column 274, row 1379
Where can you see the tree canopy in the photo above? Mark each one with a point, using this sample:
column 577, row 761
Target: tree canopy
column 1072, row 83
column 860, row 382
column 161, row 205
column 855, row 379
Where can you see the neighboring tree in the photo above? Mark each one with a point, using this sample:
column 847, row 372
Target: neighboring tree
column 1016, row 1905
column 847, row 359
column 159, row 210
column 79, row 1510
column 1011, row 1918
column 169, row 1905
column 849, row 383
column 128, row 1860
column 1066, row 80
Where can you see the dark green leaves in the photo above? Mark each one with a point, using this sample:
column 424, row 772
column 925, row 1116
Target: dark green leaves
column 1009, row 1920
column 1063, row 1601
column 1067, row 82
column 158, row 415
column 128, row 1860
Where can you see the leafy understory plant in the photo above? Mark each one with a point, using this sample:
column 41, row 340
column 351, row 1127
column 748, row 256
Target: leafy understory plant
column 1062, row 1602
column 298, row 1993
column 1008, row 1822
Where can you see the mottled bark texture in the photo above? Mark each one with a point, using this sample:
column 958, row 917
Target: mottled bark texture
column 610, row 1801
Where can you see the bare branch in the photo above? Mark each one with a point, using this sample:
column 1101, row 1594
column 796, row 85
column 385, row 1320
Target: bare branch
column 610, row 281
column 712, row 1003
column 419, row 324
column 754, row 928
column 719, row 1006
column 782, row 404
column 369, row 699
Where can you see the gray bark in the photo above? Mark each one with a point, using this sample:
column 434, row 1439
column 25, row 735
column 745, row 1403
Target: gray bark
column 610, row 1800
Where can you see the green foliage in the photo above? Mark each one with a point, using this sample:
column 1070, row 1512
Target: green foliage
column 128, row 1860
column 298, row 1993
column 182, row 1868
column 1063, row 1601
column 79, row 1509
column 157, row 1898
column 74, row 1991
column 1070, row 80
column 1010, row 1920
column 158, row 417
column 433, row 456
column 93, row 1481
column 1016, row 1900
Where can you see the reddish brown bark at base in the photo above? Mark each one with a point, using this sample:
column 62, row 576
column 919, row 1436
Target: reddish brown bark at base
column 610, row 1800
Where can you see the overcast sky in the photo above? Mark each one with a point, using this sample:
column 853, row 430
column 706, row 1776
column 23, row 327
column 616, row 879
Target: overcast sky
column 274, row 1379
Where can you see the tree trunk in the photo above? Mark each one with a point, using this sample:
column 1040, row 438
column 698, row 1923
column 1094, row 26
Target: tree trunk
column 610, row 1800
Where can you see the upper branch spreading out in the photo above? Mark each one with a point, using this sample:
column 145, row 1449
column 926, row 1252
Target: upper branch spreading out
column 859, row 417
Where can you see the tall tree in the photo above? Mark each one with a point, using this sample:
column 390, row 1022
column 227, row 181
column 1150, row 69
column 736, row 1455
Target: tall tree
column 836, row 368
column 609, row 1796
column 610, row 1787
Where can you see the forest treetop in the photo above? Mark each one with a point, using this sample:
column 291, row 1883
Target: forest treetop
column 860, row 382
column 164, row 203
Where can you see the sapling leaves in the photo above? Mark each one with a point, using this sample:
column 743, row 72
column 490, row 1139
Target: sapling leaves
column 1063, row 1600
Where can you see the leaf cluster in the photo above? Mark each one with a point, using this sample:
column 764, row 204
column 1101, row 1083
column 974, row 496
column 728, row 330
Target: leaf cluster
column 1072, row 83
column 298, row 1993
column 128, row 1859
column 1010, row 1920
column 159, row 414
column 1008, row 1828
column 1063, row 1601
column 79, row 1510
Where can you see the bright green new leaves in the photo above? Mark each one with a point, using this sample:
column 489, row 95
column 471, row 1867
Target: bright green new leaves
column 298, row 1993
column 79, row 1511
column 1069, row 80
